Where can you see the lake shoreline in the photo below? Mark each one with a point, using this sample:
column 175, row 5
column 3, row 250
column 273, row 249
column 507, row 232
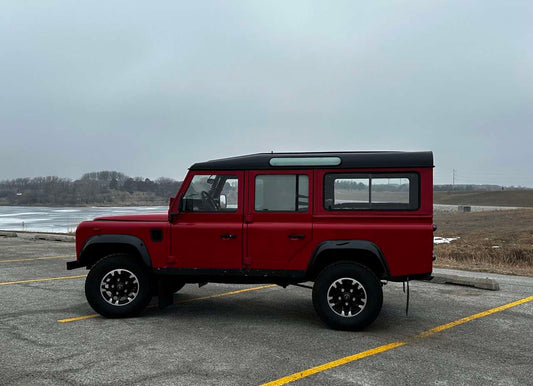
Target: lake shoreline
column 95, row 205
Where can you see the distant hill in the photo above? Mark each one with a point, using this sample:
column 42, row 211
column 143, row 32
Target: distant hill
column 469, row 187
column 107, row 188
column 518, row 197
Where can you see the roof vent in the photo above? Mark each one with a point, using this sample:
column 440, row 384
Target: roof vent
column 305, row 161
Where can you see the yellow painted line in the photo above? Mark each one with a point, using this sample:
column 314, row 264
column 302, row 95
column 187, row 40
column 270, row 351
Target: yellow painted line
column 44, row 279
column 473, row 317
column 37, row 258
column 24, row 245
column 75, row 319
column 390, row 346
column 227, row 293
column 330, row 365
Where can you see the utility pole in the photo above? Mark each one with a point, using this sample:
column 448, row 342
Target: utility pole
column 453, row 179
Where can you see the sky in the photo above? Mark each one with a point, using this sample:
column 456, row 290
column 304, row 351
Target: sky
column 149, row 88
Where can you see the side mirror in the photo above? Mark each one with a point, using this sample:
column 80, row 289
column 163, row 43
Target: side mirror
column 223, row 201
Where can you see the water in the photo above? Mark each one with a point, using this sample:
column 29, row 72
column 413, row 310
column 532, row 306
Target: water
column 473, row 208
column 61, row 219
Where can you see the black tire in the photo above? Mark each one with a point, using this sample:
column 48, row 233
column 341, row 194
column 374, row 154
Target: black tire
column 118, row 286
column 347, row 296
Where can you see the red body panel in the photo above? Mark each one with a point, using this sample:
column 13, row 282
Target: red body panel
column 404, row 237
column 159, row 251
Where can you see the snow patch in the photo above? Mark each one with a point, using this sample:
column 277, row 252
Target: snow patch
column 444, row 240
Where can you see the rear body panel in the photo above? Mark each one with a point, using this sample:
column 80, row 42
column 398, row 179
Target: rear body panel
column 405, row 237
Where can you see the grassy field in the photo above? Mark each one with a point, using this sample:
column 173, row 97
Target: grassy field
column 495, row 241
column 520, row 198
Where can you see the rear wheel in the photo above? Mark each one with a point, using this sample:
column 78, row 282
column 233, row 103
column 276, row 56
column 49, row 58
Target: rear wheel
column 118, row 286
column 347, row 296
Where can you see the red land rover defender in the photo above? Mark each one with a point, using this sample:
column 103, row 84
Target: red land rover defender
column 346, row 221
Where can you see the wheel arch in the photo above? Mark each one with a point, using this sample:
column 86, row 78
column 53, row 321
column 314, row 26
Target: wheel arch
column 99, row 246
column 363, row 252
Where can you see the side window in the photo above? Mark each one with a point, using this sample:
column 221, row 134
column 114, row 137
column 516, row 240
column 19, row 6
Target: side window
column 348, row 191
column 229, row 197
column 212, row 193
column 390, row 190
column 374, row 191
column 281, row 193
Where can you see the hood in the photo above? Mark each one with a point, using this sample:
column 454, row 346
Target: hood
column 151, row 217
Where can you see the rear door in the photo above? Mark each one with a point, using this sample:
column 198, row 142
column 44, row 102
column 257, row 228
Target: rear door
column 278, row 217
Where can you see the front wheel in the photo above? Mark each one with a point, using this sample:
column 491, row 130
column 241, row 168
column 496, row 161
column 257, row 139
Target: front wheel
column 117, row 286
column 347, row 296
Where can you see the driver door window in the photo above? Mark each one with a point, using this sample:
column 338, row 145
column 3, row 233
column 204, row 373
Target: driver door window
column 212, row 193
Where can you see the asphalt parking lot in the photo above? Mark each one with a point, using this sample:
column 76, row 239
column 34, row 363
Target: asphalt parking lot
column 253, row 334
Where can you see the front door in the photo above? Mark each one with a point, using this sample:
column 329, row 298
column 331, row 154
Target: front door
column 208, row 231
column 278, row 217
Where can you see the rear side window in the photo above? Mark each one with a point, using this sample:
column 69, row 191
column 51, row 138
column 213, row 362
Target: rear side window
column 281, row 193
column 371, row 191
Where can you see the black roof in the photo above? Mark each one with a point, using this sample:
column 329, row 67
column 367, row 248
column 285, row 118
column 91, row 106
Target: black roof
column 352, row 159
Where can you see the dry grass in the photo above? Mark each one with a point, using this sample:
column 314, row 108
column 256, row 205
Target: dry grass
column 519, row 198
column 496, row 241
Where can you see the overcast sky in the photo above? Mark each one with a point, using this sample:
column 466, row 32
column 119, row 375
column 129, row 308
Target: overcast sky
column 150, row 88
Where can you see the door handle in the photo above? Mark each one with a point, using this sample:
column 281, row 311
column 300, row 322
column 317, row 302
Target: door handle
column 227, row 236
column 295, row 237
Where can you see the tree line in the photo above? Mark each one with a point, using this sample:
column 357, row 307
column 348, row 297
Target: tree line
column 103, row 187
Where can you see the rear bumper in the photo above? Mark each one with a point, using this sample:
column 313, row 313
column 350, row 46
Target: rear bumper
column 418, row 276
column 74, row 264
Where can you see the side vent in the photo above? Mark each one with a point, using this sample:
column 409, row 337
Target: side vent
column 156, row 235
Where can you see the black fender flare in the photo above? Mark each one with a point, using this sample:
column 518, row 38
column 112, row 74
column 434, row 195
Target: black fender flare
column 363, row 245
column 132, row 241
